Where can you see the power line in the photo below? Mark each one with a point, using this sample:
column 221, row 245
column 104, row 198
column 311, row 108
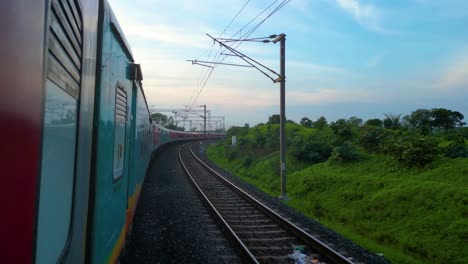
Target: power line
column 211, row 48
column 281, row 5
column 246, row 58
column 245, row 36
column 232, row 20
column 264, row 10
column 201, row 89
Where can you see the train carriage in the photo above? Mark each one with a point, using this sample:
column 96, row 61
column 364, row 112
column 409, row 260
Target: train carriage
column 78, row 136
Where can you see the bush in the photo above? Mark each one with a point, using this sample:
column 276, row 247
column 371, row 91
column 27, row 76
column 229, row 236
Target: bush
column 457, row 148
column 260, row 138
column 248, row 161
column 373, row 139
column 344, row 153
column 374, row 122
column 272, row 138
column 231, row 153
column 412, row 150
column 342, row 129
column 241, row 141
column 313, row 149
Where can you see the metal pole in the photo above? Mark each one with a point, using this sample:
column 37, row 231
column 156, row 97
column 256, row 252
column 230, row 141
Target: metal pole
column 204, row 121
column 283, row 115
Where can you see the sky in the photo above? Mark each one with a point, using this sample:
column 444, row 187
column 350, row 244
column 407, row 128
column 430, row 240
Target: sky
column 344, row 58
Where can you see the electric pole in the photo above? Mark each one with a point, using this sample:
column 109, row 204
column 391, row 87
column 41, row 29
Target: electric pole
column 204, row 120
column 264, row 70
column 282, row 39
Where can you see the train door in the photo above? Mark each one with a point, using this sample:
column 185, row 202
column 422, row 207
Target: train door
column 111, row 174
column 113, row 117
column 59, row 148
column 132, row 148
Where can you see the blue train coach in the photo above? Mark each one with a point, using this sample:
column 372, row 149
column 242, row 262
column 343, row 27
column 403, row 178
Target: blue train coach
column 76, row 129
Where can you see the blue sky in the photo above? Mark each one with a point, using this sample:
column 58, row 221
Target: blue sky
column 344, row 57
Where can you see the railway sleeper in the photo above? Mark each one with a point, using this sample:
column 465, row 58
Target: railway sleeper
column 270, row 251
column 251, row 222
column 245, row 217
column 234, row 206
column 261, row 234
column 255, row 227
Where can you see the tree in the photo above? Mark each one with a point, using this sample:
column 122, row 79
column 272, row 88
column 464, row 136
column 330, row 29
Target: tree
column 412, row 150
column 354, row 121
column 274, row 119
column 312, row 149
column 392, row 121
column 372, row 139
column 321, row 123
column 237, row 131
column 305, row 121
column 173, row 126
column 344, row 153
column 160, row 119
column 374, row 122
column 457, row 148
column 420, row 120
column 342, row 129
column 165, row 121
column 446, row 119
column 260, row 138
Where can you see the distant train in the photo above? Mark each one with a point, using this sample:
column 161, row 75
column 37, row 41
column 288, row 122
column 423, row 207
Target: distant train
column 76, row 130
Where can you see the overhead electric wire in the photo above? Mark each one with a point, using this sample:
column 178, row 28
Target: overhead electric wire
column 250, row 31
column 232, row 20
column 281, row 5
column 198, row 94
column 244, row 36
column 243, row 57
column 211, row 48
column 264, row 10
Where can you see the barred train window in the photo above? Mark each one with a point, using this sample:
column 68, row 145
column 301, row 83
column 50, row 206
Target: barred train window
column 119, row 133
column 61, row 108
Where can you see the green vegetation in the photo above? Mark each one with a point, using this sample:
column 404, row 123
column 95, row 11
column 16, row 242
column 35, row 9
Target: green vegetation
column 401, row 190
column 165, row 121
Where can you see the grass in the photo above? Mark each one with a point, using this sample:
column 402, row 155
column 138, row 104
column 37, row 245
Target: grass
column 410, row 215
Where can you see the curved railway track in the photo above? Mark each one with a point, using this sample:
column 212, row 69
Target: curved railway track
column 260, row 234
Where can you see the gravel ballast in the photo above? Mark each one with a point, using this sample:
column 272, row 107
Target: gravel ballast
column 171, row 224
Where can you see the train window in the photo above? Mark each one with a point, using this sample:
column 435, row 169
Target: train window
column 120, row 129
column 58, row 166
column 61, row 108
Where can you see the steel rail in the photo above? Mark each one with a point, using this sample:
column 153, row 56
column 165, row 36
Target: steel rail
column 327, row 251
column 245, row 252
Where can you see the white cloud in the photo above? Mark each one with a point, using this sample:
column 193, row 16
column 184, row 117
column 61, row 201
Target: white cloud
column 166, row 34
column 455, row 76
column 366, row 15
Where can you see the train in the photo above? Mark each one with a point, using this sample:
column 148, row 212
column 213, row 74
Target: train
column 77, row 132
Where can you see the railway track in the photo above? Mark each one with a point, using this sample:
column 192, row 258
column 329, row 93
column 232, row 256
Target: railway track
column 260, row 234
